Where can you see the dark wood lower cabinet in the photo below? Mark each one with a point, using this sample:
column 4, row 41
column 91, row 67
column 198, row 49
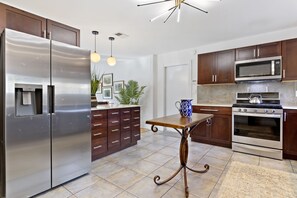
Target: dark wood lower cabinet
column 218, row 131
column 290, row 134
column 114, row 130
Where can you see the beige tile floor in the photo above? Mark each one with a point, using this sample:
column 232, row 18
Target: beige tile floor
column 129, row 173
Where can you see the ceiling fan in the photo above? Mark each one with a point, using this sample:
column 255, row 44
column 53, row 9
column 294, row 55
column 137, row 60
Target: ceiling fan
column 171, row 10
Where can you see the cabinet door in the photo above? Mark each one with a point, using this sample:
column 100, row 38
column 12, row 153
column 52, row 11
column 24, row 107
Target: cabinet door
column 289, row 51
column 269, row 50
column 201, row 132
column 290, row 133
column 221, row 130
column 22, row 21
column 225, row 66
column 246, row 53
column 63, row 33
column 206, row 63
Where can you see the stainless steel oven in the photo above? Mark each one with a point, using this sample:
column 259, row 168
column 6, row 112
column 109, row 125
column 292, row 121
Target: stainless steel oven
column 258, row 129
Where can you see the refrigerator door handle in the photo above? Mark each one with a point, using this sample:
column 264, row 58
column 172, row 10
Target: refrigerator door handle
column 51, row 99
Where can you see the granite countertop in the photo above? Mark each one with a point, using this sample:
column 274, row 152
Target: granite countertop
column 213, row 105
column 112, row 106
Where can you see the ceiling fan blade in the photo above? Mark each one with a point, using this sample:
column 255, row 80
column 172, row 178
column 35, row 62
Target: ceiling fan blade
column 170, row 14
column 194, row 7
column 145, row 4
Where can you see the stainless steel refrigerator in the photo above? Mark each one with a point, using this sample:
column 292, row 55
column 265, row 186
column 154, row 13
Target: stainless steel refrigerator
column 45, row 114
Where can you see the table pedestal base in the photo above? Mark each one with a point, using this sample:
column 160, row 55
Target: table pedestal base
column 183, row 155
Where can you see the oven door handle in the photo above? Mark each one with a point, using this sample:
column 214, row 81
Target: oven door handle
column 259, row 115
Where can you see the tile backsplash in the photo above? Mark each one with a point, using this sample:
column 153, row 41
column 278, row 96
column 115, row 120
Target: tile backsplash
column 226, row 93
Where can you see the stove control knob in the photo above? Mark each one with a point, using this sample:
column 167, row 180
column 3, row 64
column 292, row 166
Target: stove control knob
column 255, row 110
column 245, row 110
column 239, row 110
column 266, row 111
column 273, row 111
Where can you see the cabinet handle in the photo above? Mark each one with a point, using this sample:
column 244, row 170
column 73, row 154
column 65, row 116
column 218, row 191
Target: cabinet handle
column 284, row 73
column 126, row 127
column 126, row 112
column 50, row 35
column 126, row 138
column 97, row 115
column 212, row 110
column 258, row 52
column 136, row 110
column 136, row 135
column 136, row 118
column 97, row 147
column 44, row 33
column 136, row 125
column 97, row 124
column 114, row 130
column 97, row 134
column 215, row 78
column 212, row 78
column 126, row 119
column 285, row 117
column 113, row 142
column 113, row 122
column 254, row 53
column 115, row 113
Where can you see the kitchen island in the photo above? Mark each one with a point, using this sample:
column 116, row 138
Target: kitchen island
column 114, row 127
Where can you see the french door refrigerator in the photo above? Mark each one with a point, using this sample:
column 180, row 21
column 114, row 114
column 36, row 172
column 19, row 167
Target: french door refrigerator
column 45, row 114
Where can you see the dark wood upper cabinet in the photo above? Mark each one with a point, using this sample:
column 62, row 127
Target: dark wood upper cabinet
column 206, row 64
column 26, row 22
column 246, row 53
column 289, row 55
column 269, row 50
column 216, row 67
column 63, row 33
column 259, row 51
column 225, row 66
column 290, row 134
column 22, row 21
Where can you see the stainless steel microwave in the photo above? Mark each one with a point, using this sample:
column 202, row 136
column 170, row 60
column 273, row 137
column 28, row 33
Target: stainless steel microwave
column 259, row 69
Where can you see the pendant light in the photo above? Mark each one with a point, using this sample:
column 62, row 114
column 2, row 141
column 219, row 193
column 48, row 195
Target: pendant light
column 111, row 61
column 95, row 57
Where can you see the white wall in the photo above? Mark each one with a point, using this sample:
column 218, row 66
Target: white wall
column 138, row 69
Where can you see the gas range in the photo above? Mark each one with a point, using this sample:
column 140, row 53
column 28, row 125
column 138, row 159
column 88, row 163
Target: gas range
column 257, row 128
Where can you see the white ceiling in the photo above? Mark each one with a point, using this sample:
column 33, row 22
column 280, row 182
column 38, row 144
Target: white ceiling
column 226, row 20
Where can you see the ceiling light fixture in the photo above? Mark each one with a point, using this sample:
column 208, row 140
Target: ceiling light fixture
column 95, row 57
column 171, row 10
column 111, row 61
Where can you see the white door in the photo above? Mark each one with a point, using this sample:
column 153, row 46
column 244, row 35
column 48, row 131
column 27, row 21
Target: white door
column 177, row 86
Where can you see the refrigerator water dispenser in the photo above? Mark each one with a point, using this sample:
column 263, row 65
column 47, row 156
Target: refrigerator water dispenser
column 28, row 99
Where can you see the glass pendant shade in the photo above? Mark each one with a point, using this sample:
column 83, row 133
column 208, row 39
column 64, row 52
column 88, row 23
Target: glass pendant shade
column 111, row 61
column 95, row 57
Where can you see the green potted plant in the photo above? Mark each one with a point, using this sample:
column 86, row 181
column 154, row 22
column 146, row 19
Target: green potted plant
column 131, row 93
column 95, row 82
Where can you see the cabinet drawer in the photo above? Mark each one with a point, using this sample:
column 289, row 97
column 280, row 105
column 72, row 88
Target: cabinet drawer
column 113, row 113
column 135, row 112
column 99, row 146
column 96, row 134
column 99, row 115
column 113, row 121
column 212, row 110
column 126, row 112
column 126, row 139
column 135, row 131
column 99, row 125
column 114, row 130
column 126, row 127
column 114, row 140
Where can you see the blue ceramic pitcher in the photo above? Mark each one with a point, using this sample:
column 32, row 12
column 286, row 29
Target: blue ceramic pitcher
column 185, row 107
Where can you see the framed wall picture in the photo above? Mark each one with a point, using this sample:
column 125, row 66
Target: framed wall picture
column 99, row 90
column 107, row 80
column 118, row 86
column 107, row 92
